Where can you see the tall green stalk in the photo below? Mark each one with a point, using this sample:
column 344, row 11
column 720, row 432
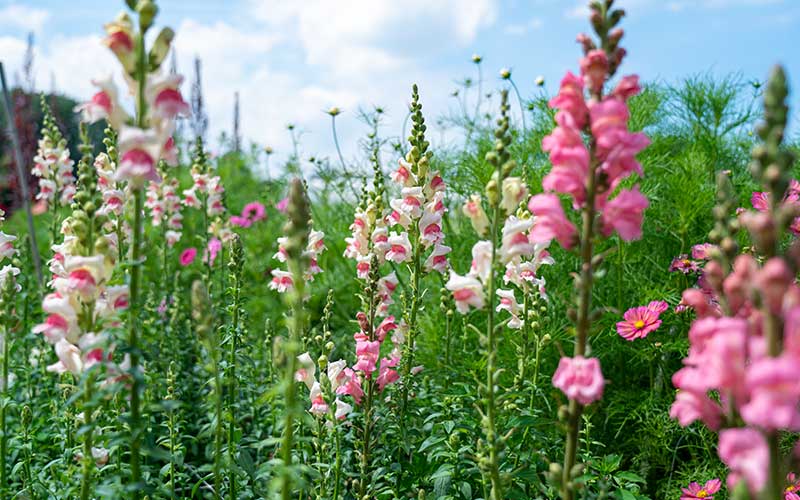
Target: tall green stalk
column 235, row 265
column 136, row 273
column 500, row 158
column 296, row 231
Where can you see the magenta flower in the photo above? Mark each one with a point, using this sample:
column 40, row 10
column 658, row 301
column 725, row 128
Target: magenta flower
column 690, row 406
column 746, row 454
column 580, row 379
column 550, row 221
column 254, row 211
column 239, row 221
column 694, row 490
column 214, row 247
column 624, row 214
column 683, row 264
column 187, row 256
column 640, row 321
column 282, row 205
column 774, row 393
column 703, row 251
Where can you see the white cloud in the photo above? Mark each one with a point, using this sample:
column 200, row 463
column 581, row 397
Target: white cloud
column 24, row 17
column 581, row 9
column 292, row 61
column 523, row 29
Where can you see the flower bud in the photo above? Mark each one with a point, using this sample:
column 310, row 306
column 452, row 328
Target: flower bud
column 147, row 10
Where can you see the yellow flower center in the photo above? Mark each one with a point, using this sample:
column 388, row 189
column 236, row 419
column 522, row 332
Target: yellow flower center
column 791, row 488
column 702, row 494
column 686, row 262
column 639, row 324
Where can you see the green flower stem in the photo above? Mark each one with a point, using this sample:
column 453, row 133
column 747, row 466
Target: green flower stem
column 133, row 342
column 365, row 446
column 521, row 104
column 496, row 492
column 583, row 321
column 218, row 425
column 3, row 424
column 88, row 459
column 133, row 319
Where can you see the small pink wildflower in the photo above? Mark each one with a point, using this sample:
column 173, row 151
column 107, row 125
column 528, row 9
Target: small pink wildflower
column 640, row 321
column 282, row 205
column 694, row 490
column 188, row 256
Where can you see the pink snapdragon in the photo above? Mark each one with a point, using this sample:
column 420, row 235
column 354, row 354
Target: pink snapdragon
column 746, row 454
column 580, row 379
column 139, row 151
column 624, row 215
column 551, row 222
column 467, row 292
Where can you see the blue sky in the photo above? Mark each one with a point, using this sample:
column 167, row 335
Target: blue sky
column 292, row 60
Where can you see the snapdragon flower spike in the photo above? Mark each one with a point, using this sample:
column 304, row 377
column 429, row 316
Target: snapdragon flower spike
column 605, row 118
column 7, row 250
column 165, row 208
column 52, row 164
column 282, row 281
column 83, row 302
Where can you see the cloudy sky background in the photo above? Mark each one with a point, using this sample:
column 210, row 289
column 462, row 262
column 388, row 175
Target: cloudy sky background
column 290, row 61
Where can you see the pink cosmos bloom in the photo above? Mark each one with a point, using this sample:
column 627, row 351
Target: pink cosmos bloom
column 239, row 221
column 694, row 490
column 683, row 264
column 254, row 211
column 760, row 201
column 282, row 205
column 790, row 493
column 774, row 393
column 746, row 454
column 580, row 379
column 188, row 256
column 703, row 251
column 624, row 214
column 550, row 221
column 640, row 321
